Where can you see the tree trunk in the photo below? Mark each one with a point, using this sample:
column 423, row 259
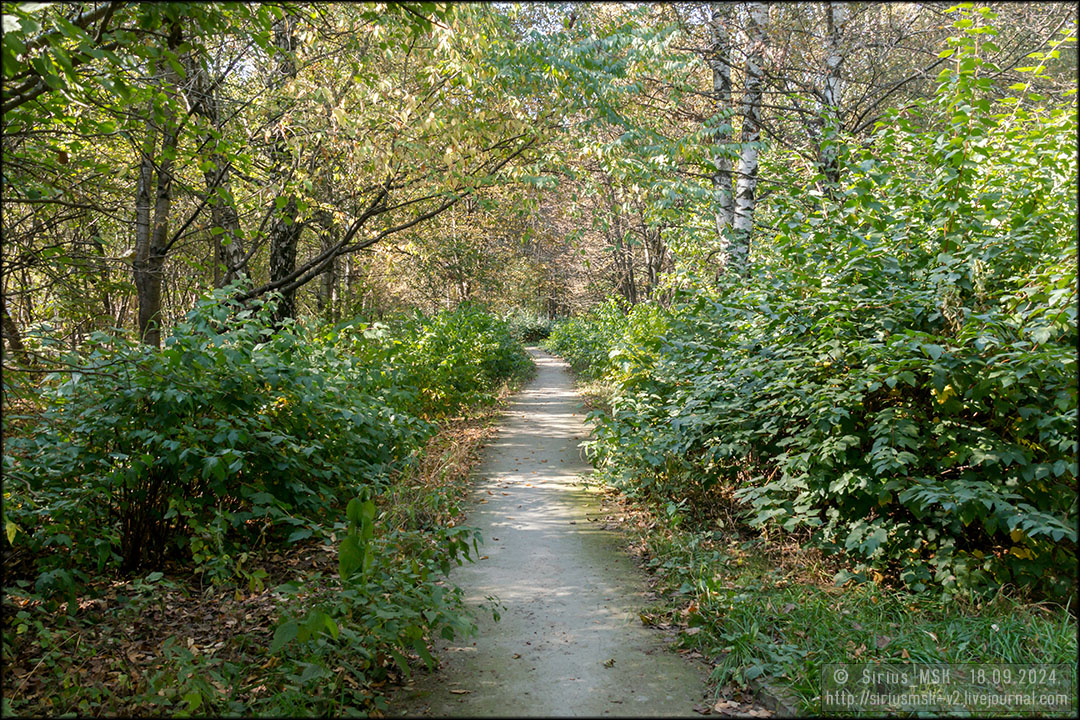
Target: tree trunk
column 836, row 18
column 202, row 99
column 152, row 242
column 284, row 238
column 719, row 58
column 12, row 335
column 746, row 186
column 284, row 231
column 655, row 254
column 143, row 194
column 325, row 299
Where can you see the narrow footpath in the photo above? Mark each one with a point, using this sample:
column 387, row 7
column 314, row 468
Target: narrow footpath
column 570, row 641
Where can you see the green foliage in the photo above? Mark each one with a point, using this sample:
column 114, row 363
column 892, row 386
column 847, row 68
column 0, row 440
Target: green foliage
column 233, row 429
column 456, row 358
column 900, row 375
column 528, row 327
column 608, row 338
column 754, row 619
column 387, row 605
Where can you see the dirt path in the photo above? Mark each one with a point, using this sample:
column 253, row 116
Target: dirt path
column 570, row 641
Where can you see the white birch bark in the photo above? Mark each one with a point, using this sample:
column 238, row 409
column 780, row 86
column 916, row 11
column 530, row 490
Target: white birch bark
column 719, row 59
column 746, row 184
column 836, row 18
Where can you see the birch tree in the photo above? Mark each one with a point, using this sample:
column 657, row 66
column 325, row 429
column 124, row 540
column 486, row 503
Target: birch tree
column 746, row 184
column 836, row 18
column 719, row 59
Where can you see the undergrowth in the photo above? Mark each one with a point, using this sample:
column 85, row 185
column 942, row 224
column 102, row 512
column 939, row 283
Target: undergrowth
column 299, row 574
column 764, row 607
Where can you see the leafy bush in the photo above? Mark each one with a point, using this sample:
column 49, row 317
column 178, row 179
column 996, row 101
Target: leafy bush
column 899, row 374
column 457, row 357
column 594, row 342
column 526, row 326
column 231, row 429
column 386, row 606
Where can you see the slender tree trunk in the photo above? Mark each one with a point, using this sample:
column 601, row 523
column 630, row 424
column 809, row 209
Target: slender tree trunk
column 836, row 18
column 746, row 186
column 631, row 282
column 654, row 250
column 285, row 230
column 202, row 99
column 650, row 277
column 143, row 201
column 151, row 247
column 329, row 236
column 12, row 335
column 719, row 58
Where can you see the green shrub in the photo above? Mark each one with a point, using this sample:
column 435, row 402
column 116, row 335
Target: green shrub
column 232, row 428
column 526, row 326
column 457, row 357
column 607, row 336
column 388, row 604
column 898, row 374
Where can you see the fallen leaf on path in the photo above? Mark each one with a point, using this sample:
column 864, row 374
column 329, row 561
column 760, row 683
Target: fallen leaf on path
column 759, row 712
column 515, row 656
column 702, row 709
column 610, row 662
column 460, row 692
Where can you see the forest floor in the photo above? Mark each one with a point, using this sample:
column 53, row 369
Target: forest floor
column 570, row 639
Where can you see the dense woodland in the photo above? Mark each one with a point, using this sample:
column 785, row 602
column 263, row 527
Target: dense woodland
column 257, row 258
